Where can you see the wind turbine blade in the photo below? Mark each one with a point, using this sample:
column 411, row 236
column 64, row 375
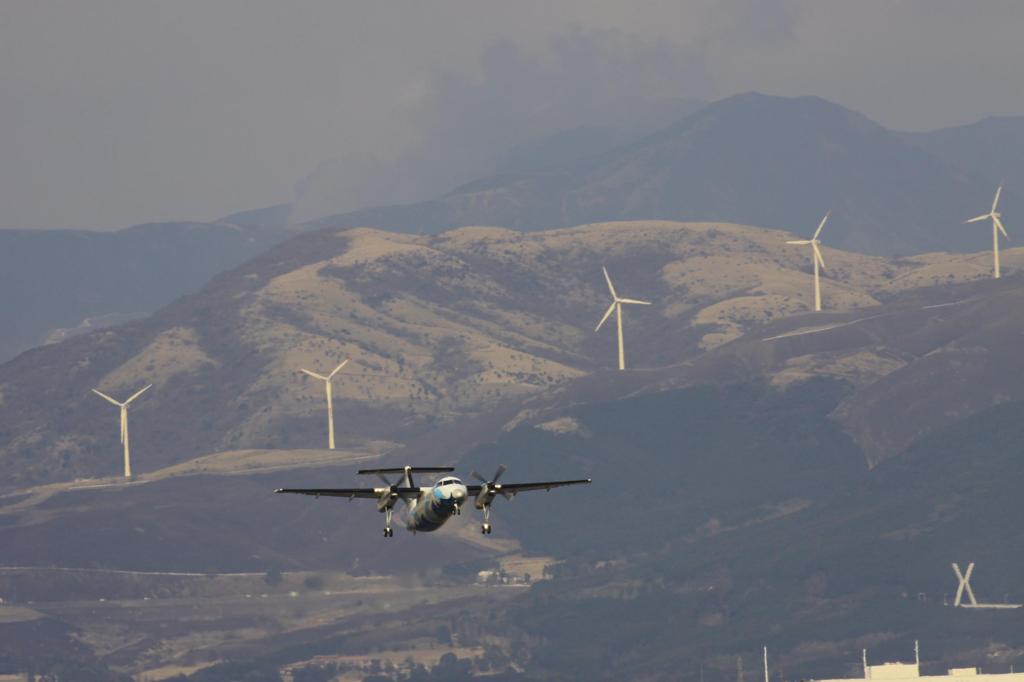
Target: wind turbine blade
column 608, row 279
column 817, row 255
column 337, row 369
column 999, row 190
column 608, row 314
column 999, row 224
column 106, row 397
column 633, row 300
column 314, row 374
column 820, row 226
column 800, row 242
column 974, row 220
column 138, row 393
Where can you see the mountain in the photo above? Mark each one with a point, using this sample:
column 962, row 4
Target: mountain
column 560, row 148
column 271, row 216
column 989, row 149
column 724, row 519
column 439, row 329
column 762, row 474
column 468, row 144
column 67, row 281
column 752, row 159
column 709, row 531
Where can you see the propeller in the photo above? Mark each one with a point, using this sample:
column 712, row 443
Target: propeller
column 490, row 488
column 387, row 498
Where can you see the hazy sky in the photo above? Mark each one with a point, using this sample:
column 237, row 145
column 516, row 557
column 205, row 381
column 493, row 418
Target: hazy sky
column 115, row 113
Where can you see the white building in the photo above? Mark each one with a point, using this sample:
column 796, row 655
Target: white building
column 912, row 671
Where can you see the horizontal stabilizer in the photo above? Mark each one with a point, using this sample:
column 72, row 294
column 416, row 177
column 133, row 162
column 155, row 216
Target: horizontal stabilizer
column 402, row 470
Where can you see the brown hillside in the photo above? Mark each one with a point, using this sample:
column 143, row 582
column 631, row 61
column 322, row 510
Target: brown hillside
column 437, row 328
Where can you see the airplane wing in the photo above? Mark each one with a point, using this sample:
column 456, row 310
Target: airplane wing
column 514, row 488
column 351, row 493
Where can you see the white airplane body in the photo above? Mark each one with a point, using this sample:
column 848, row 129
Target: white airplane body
column 429, row 507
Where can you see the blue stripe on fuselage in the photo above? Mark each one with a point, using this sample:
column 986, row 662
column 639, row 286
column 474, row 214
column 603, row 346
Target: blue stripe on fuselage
column 432, row 511
column 431, row 514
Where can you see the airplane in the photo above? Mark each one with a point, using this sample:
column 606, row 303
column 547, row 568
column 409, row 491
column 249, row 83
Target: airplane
column 430, row 506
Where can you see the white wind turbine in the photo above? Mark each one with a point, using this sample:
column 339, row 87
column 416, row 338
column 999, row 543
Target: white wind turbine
column 330, row 399
column 616, row 307
column 819, row 262
column 997, row 227
column 124, row 424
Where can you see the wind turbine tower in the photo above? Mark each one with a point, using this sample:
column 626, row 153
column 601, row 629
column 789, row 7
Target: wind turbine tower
column 616, row 307
column 330, row 399
column 818, row 261
column 997, row 227
column 124, row 424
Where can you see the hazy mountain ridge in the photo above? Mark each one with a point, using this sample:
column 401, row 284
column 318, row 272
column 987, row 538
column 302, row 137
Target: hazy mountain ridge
column 989, row 149
column 751, row 159
column 59, row 278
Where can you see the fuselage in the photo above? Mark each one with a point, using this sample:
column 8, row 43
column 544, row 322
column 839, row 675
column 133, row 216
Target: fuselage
column 436, row 505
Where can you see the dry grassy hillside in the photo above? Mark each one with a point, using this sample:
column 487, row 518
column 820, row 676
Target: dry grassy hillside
column 437, row 327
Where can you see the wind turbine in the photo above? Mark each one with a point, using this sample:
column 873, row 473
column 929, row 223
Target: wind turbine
column 819, row 263
column 330, row 399
column 997, row 227
column 616, row 307
column 124, row 424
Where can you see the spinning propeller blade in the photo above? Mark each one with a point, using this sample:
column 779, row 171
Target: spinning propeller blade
column 388, row 497
column 489, row 488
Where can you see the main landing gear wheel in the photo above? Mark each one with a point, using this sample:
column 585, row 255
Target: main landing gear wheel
column 486, row 528
column 389, row 533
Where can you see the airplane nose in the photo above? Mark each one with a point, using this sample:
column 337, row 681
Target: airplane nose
column 459, row 493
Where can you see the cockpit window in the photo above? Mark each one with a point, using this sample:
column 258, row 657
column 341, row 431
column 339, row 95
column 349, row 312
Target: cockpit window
column 448, row 481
